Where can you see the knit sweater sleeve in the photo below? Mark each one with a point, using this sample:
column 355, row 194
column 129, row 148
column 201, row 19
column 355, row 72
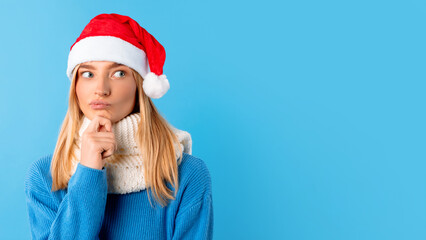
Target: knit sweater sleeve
column 80, row 213
column 194, row 219
column 196, row 222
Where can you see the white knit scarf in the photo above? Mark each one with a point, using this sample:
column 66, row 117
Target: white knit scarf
column 125, row 168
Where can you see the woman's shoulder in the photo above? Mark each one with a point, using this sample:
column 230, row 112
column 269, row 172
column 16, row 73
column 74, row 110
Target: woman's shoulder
column 38, row 172
column 195, row 183
column 41, row 165
column 194, row 168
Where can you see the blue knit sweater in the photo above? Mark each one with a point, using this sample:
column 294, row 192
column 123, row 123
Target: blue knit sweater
column 86, row 211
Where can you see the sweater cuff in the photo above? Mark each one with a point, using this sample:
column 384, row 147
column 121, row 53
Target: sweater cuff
column 87, row 179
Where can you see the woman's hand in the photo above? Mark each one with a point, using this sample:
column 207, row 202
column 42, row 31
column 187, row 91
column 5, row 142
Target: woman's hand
column 98, row 143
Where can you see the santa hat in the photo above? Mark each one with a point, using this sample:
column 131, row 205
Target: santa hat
column 120, row 39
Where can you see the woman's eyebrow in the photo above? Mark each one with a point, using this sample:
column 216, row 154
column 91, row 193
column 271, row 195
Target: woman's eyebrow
column 112, row 65
column 87, row 66
column 115, row 65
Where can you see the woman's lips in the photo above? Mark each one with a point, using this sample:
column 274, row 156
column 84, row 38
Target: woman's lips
column 99, row 106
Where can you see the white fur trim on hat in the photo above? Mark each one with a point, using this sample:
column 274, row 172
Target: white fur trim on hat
column 107, row 48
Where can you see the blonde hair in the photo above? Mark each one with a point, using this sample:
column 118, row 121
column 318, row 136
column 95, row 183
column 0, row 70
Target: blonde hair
column 154, row 138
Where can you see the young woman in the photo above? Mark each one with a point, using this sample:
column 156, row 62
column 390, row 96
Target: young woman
column 119, row 169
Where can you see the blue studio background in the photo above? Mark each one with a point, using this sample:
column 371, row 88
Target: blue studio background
column 309, row 114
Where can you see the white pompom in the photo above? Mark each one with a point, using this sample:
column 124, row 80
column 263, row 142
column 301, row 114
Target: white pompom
column 155, row 86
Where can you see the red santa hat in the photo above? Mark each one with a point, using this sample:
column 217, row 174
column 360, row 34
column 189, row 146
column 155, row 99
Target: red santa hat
column 120, row 39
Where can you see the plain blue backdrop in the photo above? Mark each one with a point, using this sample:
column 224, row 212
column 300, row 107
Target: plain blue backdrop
column 309, row 114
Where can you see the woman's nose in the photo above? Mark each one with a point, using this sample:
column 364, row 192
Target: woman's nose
column 103, row 89
column 102, row 92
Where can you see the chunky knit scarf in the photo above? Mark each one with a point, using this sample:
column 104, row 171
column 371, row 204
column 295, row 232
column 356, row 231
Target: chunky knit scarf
column 125, row 168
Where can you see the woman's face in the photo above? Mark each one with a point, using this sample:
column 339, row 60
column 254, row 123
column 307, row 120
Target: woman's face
column 107, row 81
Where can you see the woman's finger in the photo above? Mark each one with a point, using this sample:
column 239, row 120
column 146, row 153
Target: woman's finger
column 97, row 123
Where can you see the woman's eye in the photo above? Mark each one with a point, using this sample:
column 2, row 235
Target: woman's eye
column 87, row 74
column 119, row 74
